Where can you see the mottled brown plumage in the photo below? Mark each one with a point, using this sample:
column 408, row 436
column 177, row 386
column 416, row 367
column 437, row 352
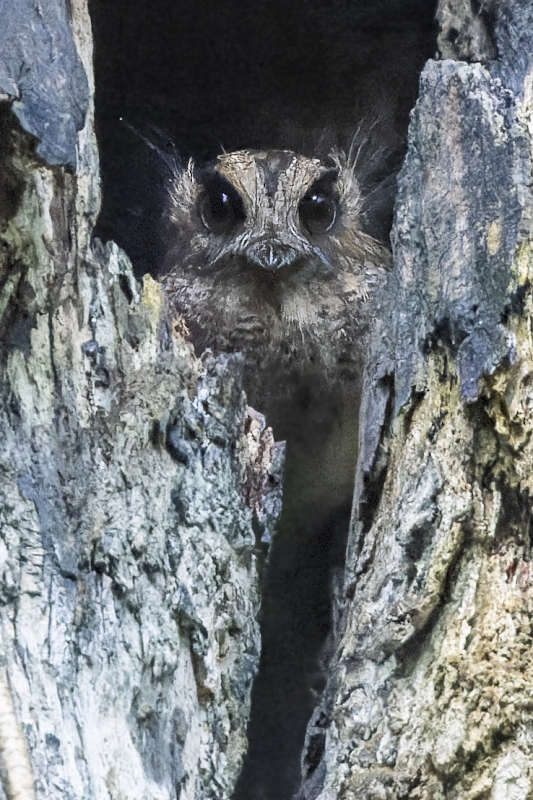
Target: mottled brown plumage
column 269, row 259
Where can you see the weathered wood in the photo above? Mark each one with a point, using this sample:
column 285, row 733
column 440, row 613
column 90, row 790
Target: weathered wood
column 429, row 694
column 130, row 474
column 131, row 471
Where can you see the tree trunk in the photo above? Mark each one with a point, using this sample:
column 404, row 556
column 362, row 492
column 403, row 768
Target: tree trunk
column 430, row 686
column 139, row 491
column 130, row 475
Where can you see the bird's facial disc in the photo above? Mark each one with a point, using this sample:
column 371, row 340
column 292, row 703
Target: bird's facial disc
column 272, row 208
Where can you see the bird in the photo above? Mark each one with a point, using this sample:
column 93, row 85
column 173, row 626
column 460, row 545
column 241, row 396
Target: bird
column 267, row 257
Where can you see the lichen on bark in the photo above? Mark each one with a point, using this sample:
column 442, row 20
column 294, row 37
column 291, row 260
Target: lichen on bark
column 131, row 473
column 429, row 689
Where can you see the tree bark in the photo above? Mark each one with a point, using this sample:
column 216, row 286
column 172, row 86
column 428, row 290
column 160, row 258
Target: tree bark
column 130, row 472
column 430, row 687
column 139, row 491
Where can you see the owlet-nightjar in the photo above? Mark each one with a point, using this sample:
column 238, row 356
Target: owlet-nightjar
column 269, row 259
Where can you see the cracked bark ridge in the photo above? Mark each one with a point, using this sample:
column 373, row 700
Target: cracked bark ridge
column 466, row 30
column 129, row 555
column 429, row 690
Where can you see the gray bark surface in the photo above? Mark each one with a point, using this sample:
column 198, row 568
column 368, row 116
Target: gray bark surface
column 130, row 475
column 41, row 70
column 429, row 689
column 131, row 472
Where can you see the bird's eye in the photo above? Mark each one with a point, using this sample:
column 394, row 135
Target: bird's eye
column 220, row 206
column 317, row 211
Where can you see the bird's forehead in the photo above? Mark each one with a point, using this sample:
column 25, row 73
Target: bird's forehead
column 271, row 166
column 274, row 173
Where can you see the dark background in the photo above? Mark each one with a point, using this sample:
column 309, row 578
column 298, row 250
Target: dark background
column 194, row 77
